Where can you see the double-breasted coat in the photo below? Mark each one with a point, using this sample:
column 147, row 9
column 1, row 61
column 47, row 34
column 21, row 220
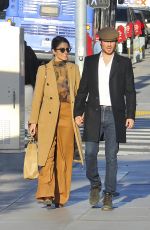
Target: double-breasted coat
column 45, row 107
column 122, row 95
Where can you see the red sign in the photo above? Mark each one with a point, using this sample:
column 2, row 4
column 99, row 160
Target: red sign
column 121, row 37
column 97, row 37
column 89, row 49
column 137, row 28
column 129, row 29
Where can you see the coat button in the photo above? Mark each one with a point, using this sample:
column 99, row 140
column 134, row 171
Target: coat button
column 51, row 98
column 47, row 83
column 97, row 109
column 50, row 112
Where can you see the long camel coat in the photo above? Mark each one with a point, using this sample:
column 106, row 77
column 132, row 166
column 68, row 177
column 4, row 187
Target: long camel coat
column 45, row 107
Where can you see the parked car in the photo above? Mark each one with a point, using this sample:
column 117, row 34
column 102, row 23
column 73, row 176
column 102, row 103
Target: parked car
column 146, row 14
column 125, row 14
column 139, row 16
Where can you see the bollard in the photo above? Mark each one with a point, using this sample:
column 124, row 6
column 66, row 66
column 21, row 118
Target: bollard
column 120, row 48
column 129, row 47
column 136, row 49
column 142, row 47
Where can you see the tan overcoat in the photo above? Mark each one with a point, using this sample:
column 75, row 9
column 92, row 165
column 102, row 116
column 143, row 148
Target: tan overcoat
column 45, row 107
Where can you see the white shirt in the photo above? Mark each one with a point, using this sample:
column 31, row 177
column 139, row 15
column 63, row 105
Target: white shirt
column 103, row 81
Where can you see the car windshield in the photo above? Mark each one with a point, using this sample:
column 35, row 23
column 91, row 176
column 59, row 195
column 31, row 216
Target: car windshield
column 146, row 14
column 138, row 16
column 121, row 15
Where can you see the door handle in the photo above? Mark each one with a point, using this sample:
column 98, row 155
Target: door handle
column 14, row 99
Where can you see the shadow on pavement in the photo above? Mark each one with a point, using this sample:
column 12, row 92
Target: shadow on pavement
column 17, row 193
column 142, row 81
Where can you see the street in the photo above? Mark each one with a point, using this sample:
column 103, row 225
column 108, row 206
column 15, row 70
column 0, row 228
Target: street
column 19, row 209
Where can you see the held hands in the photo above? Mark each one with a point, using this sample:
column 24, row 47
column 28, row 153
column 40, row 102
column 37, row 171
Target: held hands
column 129, row 123
column 79, row 120
column 32, row 129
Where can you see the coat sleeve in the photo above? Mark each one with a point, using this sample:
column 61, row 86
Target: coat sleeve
column 38, row 95
column 130, row 92
column 82, row 92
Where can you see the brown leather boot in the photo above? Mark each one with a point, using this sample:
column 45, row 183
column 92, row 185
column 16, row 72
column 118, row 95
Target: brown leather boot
column 107, row 202
column 94, row 196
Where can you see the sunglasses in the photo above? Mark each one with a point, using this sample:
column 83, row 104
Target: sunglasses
column 62, row 50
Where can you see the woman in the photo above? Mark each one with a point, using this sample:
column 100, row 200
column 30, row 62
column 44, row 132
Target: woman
column 52, row 112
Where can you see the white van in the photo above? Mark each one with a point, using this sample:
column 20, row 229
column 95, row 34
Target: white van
column 146, row 13
column 124, row 15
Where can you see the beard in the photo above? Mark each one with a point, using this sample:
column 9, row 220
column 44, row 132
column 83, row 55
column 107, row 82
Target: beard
column 109, row 52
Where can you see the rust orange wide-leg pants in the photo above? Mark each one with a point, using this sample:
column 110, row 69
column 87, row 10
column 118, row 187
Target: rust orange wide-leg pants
column 55, row 177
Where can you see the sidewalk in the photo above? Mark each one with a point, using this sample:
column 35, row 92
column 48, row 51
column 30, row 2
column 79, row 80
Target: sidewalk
column 19, row 210
column 142, row 82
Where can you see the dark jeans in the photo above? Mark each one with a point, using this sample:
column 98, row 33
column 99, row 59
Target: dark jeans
column 111, row 149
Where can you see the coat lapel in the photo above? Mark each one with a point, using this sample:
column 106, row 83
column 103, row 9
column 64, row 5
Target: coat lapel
column 114, row 66
column 51, row 78
column 95, row 67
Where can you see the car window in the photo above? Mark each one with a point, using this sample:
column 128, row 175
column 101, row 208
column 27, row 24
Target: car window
column 138, row 16
column 132, row 15
column 121, row 15
column 146, row 15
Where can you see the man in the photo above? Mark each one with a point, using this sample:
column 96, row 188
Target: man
column 97, row 46
column 105, row 102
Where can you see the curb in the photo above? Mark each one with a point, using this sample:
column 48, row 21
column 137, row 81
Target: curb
column 142, row 113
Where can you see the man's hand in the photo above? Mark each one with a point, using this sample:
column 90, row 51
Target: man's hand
column 79, row 120
column 129, row 123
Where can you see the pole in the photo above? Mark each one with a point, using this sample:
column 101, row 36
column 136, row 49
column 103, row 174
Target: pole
column 103, row 21
column 112, row 9
column 80, row 33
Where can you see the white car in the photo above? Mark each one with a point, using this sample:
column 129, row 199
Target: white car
column 124, row 15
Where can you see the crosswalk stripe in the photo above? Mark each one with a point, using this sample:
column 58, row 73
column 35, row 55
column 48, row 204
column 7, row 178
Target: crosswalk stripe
column 138, row 139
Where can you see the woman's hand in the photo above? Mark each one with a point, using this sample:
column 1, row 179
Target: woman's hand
column 32, row 129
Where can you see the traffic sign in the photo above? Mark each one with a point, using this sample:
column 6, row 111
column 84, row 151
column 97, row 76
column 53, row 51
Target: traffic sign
column 99, row 3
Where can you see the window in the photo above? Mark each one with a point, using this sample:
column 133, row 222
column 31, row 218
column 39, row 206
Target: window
column 121, row 15
column 146, row 14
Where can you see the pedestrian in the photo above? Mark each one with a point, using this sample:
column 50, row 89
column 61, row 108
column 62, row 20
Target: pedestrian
column 52, row 113
column 30, row 65
column 105, row 102
column 97, row 45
